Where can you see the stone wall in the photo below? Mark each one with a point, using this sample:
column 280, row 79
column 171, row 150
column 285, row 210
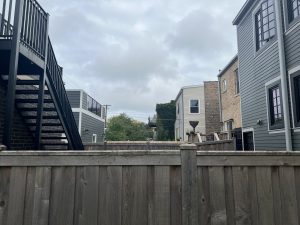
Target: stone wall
column 212, row 110
column 22, row 138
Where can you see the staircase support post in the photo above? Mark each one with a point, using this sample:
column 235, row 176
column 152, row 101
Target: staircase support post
column 13, row 70
column 41, row 96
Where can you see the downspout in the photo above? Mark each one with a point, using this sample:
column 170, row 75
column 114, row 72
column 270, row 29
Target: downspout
column 283, row 74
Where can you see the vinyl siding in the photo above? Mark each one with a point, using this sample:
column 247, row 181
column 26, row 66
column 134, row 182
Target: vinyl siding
column 292, row 44
column 74, row 98
column 90, row 126
column 76, row 116
column 255, row 71
column 84, row 100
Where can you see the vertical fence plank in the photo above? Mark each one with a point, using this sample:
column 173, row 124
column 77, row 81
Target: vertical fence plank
column 265, row 195
column 241, row 196
column 16, row 196
column 29, row 195
column 253, row 195
column 86, row 195
column 110, row 195
column 4, row 193
column 288, row 195
column 297, row 184
column 135, row 204
column 276, row 196
column 175, row 202
column 151, row 203
column 41, row 196
column 203, row 196
column 162, row 195
column 217, row 195
column 189, row 184
column 229, row 196
column 62, row 196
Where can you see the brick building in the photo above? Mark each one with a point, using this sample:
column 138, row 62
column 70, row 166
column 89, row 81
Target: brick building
column 230, row 101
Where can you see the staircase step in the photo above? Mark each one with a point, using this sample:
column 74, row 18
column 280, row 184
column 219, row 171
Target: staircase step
column 32, row 100
column 45, row 124
column 54, row 138
column 30, row 92
column 53, row 131
column 31, row 109
column 30, row 117
column 55, row 143
column 28, row 82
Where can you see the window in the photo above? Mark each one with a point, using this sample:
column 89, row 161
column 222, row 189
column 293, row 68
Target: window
column 296, row 81
column 237, row 82
column 265, row 23
column 178, row 109
column 90, row 103
column 94, row 140
column 194, row 106
column 275, row 108
column 294, row 9
column 224, row 85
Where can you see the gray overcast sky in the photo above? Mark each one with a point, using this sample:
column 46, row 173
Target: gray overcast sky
column 133, row 54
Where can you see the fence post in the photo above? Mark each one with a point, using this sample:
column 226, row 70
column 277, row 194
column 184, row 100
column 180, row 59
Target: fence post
column 189, row 184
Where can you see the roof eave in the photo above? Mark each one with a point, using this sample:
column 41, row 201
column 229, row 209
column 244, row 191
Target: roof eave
column 242, row 12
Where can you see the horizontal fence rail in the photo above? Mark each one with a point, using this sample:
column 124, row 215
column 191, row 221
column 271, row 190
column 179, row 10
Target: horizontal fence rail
column 164, row 187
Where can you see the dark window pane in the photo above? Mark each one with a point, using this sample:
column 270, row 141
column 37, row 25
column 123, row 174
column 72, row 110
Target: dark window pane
column 194, row 106
column 275, row 105
column 297, row 98
column 294, row 9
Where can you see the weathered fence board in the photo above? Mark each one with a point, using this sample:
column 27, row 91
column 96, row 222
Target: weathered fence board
column 189, row 187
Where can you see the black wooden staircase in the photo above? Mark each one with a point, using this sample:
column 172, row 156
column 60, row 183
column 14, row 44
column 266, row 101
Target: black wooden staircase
column 34, row 79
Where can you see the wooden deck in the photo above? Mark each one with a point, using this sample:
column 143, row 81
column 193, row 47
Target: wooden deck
column 153, row 188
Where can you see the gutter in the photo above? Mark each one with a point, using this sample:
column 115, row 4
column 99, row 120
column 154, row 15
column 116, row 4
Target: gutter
column 283, row 74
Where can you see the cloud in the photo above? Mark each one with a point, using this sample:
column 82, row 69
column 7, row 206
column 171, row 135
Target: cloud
column 133, row 54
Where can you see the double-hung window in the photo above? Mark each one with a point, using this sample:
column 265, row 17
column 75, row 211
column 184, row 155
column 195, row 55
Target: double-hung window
column 276, row 120
column 237, row 82
column 194, row 106
column 294, row 9
column 265, row 28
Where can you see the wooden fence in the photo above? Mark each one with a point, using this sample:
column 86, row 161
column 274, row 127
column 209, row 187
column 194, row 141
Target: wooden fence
column 149, row 188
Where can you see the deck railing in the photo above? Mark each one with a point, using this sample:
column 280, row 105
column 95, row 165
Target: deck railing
column 54, row 72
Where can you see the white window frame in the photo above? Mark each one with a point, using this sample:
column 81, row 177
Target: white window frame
column 193, row 99
column 291, row 73
column 94, row 141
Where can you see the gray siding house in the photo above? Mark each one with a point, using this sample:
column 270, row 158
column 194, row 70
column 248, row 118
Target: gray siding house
column 268, row 34
column 89, row 115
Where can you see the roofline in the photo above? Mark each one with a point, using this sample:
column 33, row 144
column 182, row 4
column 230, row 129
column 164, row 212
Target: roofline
column 186, row 87
column 232, row 61
column 243, row 11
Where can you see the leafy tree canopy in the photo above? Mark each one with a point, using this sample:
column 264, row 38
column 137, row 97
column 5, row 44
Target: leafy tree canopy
column 166, row 117
column 123, row 128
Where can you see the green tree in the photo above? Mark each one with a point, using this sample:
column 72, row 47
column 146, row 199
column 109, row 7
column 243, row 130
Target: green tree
column 166, row 117
column 123, row 128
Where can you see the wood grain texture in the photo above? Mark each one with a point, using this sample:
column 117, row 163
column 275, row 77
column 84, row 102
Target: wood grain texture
column 217, row 196
column 162, row 195
column 253, row 196
column 16, row 196
column 62, row 196
column 176, row 193
column 276, row 196
column 4, row 193
column 241, row 195
column 229, row 196
column 135, row 201
column 265, row 195
column 204, row 215
column 288, row 195
column 86, row 195
column 110, row 195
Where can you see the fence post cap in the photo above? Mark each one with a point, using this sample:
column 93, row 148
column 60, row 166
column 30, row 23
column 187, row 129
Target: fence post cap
column 188, row 147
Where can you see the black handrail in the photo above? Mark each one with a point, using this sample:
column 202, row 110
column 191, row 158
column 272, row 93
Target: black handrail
column 54, row 72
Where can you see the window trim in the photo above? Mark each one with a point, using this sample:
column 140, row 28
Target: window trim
column 224, row 85
column 292, row 75
column 268, row 87
column 198, row 106
column 289, row 25
column 237, row 82
column 94, row 136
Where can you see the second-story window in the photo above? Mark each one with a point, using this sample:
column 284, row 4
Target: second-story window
column 194, row 106
column 296, row 82
column 224, row 85
column 294, row 9
column 265, row 23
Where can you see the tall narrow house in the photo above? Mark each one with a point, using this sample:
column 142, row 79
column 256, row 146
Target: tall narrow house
column 268, row 34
